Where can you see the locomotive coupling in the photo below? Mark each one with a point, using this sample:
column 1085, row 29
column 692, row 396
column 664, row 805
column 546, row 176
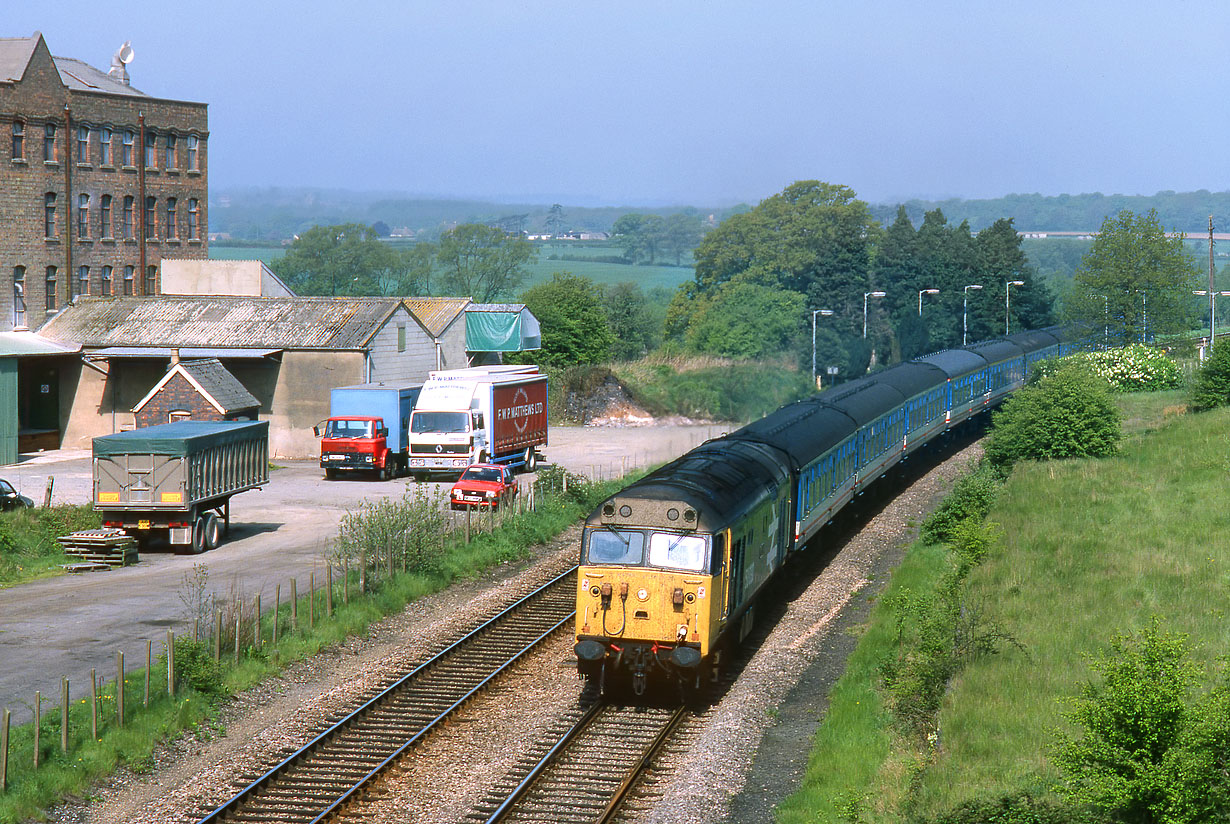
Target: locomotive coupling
column 589, row 651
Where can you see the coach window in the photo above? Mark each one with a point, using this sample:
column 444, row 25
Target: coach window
column 106, row 281
column 126, row 142
column 104, row 146
column 83, row 215
column 129, row 274
column 151, row 150
column 104, row 211
column 19, row 140
column 49, row 214
column 49, row 143
column 19, row 296
column 83, row 144
column 51, row 288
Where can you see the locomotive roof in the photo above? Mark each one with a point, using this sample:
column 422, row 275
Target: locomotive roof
column 955, row 362
column 803, row 429
column 996, row 350
column 718, row 479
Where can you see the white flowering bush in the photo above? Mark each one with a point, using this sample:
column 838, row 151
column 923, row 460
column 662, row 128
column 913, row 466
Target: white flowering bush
column 1133, row 368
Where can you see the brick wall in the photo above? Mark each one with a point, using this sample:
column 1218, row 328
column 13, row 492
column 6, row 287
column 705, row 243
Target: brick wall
column 40, row 99
column 176, row 395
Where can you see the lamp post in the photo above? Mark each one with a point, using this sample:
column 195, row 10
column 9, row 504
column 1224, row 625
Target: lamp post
column 826, row 313
column 922, row 292
column 965, row 313
column 1212, row 308
column 865, row 296
column 1007, row 288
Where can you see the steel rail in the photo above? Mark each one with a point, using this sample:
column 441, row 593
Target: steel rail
column 233, row 806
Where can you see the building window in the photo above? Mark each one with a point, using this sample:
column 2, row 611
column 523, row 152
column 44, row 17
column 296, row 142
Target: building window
column 192, row 154
column 126, row 148
column 51, row 288
column 129, row 273
column 179, row 415
column 194, row 225
column 19, row 296
column 128, row 207
column 151, row 150
column 104, row 209
column 106, row 281
column 151, row 220
column 172, row 230
column 83, row 144
column 49, row 142
column 81, row 286
column 172, row 156
column 19, row 140
column 401, row 337
column 151, row 280
column 83, row 215
column 104, row 146
column 49, row 214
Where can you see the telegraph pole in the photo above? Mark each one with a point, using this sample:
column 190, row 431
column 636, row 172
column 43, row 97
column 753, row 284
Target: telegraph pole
column 1212, row 317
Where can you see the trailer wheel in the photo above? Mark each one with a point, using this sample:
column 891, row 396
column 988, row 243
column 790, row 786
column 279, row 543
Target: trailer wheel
column 213, row 531
column 198, row 536
column 531, row 459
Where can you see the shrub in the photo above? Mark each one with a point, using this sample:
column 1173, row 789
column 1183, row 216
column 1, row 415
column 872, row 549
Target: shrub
column 196, row 667
column 1021, row 808
column 971, row 498
column 411, row 530
column 1132, row 368
column 1212, row 387
column 1067, row 414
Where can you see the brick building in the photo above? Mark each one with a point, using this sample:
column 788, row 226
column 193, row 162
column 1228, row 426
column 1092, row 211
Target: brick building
column 196, row 390
column 98, row 182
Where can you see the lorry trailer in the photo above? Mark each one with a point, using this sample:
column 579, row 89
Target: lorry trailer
column 367, row 428
column 178, row 478
column 488, row 414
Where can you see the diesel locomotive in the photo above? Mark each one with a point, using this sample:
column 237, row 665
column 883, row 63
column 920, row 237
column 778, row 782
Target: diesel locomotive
column 670, row 566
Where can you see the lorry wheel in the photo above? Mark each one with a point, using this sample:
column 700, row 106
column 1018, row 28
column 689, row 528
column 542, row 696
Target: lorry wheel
column 198, row 536
column 213, row 531
column 531, row 459
column 383, row 473
column 330, row 474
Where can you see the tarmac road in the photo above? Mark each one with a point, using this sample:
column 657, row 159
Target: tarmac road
column 66, row 625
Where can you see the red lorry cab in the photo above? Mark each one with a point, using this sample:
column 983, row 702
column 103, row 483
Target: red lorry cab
column 354, row 442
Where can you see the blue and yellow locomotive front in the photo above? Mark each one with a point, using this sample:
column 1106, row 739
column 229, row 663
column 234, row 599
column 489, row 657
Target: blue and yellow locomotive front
column 669, row 564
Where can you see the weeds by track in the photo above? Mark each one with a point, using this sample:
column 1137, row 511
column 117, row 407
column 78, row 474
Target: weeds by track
column 319, row 778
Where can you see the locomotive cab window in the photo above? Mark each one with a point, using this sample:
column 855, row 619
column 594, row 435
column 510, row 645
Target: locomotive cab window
column 677, row 551
column 615, row 546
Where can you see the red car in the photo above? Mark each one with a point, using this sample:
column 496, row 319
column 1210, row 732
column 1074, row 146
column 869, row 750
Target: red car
column 483, row 485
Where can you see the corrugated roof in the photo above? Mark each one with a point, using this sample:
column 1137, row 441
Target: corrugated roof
column 221, row 322
column 436, row 313
column 28, row 343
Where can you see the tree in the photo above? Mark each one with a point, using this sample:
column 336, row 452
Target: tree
column 640, row 236
column 349, row 259
column 555, row 219
column 680, row 233
column 574, row 325
column 1134, row 280
column 747, row 320
column 1002, row 260
column 1212, row 385
column 635, row 326
column 483, row 262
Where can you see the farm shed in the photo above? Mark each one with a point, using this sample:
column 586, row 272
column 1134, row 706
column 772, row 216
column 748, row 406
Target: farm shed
column 196, row 390
column 30, row 415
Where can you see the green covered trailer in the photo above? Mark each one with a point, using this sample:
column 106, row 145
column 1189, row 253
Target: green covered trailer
column 178, row 478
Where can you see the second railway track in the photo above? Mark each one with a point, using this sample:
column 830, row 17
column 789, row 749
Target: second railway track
column 315, row 781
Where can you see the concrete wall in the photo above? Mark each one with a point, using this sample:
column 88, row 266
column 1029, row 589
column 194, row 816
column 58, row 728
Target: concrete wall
column 392, row 365
column 245, row 278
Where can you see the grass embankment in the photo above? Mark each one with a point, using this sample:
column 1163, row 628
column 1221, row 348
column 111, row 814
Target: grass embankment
column 28, row 547
column 203, row 683
column 1089, row 549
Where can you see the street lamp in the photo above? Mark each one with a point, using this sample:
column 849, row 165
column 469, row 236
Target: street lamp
column 922, row 292
column 965, row 313
column 1212, row 308
column 1144, row 314
column 865, row 296
column 1007, row 289
column 826, row 313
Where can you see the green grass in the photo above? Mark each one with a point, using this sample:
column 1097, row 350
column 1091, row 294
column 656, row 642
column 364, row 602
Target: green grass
column 711, row 388
column 28, row 548
column 1090, row 549
column 62, row 776
column 647, row 277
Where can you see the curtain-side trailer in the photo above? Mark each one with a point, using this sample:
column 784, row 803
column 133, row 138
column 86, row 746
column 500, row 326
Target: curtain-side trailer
column 178, row 478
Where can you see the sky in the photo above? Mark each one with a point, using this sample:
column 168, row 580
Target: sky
column 674, row 102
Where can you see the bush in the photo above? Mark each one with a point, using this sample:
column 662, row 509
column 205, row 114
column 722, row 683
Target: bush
column 1212, row 387
column 971, row 498
column 1132, row 368
column 196, row 667
column 411, row 530
column 1021, row 808
column 1066, row 414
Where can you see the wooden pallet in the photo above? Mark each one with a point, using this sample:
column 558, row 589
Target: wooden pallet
column 111, row 547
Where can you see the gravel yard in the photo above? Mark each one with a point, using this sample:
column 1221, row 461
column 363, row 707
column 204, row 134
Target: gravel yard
column 746, row 754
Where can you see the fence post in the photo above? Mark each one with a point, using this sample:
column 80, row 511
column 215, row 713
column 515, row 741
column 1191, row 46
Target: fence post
column 63, row 714
column 312, row 599
column 51, row 482
column 149, row 654
column 119, row 687
column 467, row 526
column 38, row 717
column 238, row 617
column 256, row 623
column 277, row 607
column 4, row 751
column 170, row 662
column 329, row 588
column 217, row 635
column 362, row 570
column 345, row 579
column 294, row 604
column 94, row 704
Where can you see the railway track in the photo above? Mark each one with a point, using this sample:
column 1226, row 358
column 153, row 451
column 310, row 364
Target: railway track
column 316, row 780
column 587, row 773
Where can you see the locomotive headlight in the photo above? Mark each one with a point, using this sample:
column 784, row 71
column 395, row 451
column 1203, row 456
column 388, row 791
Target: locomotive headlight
column 690, row 597
column 595, row 590
column 642, row 594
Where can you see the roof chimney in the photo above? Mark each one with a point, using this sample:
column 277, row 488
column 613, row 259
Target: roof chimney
column 119, row 62
column 174, row 357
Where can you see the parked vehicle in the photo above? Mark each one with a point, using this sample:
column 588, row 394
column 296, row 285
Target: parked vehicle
column 10, row 498
column 367, row 428
column 484, row 485
column 178, row 478
column 490, row 414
